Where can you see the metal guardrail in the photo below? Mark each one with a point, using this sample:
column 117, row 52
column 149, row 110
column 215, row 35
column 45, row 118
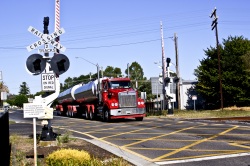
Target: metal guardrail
column 4, row 138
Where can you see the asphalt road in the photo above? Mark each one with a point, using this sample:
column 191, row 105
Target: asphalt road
column 162, row 141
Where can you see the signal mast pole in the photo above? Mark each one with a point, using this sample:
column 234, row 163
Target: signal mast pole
column 57, row 21
column 163, row 69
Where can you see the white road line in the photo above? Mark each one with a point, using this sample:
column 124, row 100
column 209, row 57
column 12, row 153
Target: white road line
column 204, row 158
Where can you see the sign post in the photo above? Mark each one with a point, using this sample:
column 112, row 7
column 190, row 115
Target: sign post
column 34, row 138
column 34, row 111
column 194, row 97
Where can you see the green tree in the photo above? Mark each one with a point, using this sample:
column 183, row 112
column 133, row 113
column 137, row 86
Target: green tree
column 24, row 89
column 136, row 74
column 235, row 78
column 117, row 72
column 137, row 77
column 246, row 60
column 135, row 71
column 145, row 86
column 112, row 72
column 20, row 99
column 70, row 82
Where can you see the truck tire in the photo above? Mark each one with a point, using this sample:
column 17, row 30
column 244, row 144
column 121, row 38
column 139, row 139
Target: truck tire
column 91, row 115
column 106, row 116
column 139, row 119
column 87, row 115
column 58, row 113
column 73, row 114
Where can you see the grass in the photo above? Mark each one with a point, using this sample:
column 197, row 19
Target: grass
column 11, row 122
column 21, row 145
column 226, row 112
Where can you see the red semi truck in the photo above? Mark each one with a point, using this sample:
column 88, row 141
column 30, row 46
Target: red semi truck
column 113, row 99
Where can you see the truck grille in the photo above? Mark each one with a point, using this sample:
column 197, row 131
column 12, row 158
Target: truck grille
column 127, row 99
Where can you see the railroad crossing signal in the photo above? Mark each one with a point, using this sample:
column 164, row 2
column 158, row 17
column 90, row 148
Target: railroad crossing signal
column 45, row 39
column 36, row 64
column 59, row 64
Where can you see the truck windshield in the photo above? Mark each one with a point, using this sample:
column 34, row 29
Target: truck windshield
column 119, row 84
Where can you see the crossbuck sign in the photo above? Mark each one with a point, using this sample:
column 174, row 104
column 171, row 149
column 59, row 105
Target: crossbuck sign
column 45, row 39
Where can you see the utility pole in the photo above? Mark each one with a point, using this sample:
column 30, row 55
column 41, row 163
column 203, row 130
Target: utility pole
column 128, row 70
column 177, row 70
column 214, row 25
column 163, row 69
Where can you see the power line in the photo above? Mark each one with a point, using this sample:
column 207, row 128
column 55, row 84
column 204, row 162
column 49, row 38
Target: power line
column 114, row 45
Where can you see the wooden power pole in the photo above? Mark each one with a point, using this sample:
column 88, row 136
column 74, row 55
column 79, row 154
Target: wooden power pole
column 214, row 25
column 177, row 71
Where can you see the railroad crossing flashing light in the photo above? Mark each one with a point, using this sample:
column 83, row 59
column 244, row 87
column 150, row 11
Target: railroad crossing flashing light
column 59, row 63
column 46, row 21
column 168, row 61
column 176, row 79
column 36, row 64
column 167, row 80
column 46, row 24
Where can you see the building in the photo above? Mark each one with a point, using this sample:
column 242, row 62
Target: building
column 186, row 91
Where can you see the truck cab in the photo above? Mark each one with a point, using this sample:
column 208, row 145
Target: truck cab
column 120, row 100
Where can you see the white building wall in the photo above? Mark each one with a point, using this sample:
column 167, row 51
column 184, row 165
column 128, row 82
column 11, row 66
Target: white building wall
column 184, row 86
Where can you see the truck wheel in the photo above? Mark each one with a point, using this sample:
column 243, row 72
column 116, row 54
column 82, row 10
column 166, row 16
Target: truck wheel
column 106, row 116
column 87, row 115
column 73, row 115
column 58, row 113
column 139, row 119
column 91, row 115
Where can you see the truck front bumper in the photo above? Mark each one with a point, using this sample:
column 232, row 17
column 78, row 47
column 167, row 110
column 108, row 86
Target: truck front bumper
column 131, row 112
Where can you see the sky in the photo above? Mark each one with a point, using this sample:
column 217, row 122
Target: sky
column 116, row 33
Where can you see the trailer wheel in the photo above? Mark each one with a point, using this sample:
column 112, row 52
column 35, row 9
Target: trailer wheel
column 139, row 119
column 106, row 116
column 87, row 115
column 73, row 114
column 58, row 113
column 91, row 115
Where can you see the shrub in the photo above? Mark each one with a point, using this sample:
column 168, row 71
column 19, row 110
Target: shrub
column 68, row 157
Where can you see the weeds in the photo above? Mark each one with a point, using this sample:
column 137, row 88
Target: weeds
column 65, row 138
column 191, row 114
column 19, row 147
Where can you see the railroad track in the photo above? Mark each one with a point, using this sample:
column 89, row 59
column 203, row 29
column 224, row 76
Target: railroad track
column 238, row 119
